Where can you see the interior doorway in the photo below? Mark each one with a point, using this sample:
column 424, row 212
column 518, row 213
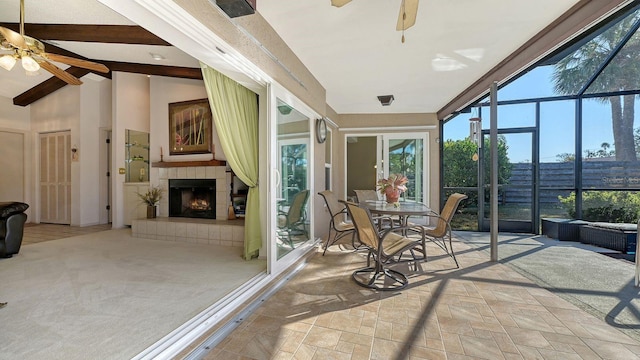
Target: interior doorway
column 363, row 157
column 55, row 177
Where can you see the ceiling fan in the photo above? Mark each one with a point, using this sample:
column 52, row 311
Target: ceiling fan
column 406, row 18
column 33, row 57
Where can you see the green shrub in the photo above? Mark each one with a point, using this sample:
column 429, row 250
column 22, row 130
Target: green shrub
column 460, row 170
column 606, row 206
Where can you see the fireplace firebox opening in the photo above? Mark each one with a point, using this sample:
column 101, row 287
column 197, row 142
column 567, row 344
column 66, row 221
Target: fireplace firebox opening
column 192, row 198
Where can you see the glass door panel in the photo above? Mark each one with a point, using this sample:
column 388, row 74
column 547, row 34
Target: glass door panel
column 293, row 192
column 516, row 174
column 405, row 154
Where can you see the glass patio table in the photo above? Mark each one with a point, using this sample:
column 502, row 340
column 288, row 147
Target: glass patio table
column 402, row 209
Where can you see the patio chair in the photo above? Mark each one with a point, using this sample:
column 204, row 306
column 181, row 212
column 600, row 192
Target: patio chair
column 292, row 222
column 384, row 248
column 442, row 229
column 372, row 195
column 366, row 195
column 337, row 224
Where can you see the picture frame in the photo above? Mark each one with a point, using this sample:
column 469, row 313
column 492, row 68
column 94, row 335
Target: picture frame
column 190, row 127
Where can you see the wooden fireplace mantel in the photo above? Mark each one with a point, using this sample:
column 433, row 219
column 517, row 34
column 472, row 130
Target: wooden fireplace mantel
column 169, row 164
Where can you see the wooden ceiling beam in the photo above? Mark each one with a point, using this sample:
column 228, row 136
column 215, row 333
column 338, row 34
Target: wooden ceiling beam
column 95, row 33
column 159, row 70
column 53, row 84
column 112, row 34
column 47, row 87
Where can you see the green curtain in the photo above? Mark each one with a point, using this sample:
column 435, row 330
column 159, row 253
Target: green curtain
column 235, row 114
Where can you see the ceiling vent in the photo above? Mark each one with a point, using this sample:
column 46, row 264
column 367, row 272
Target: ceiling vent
column 236, row 8
column 385, row 100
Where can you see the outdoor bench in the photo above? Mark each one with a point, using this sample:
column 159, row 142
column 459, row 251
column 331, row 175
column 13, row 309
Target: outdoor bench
column 619, row 237
column 562, row 229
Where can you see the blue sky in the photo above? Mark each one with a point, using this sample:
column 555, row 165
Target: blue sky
column 556, row 124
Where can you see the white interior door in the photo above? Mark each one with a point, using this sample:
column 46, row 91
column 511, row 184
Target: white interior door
column 55, row 177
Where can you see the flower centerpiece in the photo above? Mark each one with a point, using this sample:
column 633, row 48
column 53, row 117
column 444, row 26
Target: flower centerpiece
column 151, row 198
column 392, row 187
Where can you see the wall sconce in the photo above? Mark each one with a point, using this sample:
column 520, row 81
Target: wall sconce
column 74, row 153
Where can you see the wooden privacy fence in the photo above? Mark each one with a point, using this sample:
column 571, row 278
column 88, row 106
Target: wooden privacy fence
column 558, row 175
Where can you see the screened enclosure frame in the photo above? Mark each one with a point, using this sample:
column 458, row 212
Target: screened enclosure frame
column 578, row 98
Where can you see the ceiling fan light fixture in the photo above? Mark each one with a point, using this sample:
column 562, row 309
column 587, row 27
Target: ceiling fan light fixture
column 7, row 62
column 29, row 64
column 32, row 73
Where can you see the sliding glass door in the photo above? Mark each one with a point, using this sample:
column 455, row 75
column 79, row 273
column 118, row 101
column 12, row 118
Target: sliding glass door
column 373, row 157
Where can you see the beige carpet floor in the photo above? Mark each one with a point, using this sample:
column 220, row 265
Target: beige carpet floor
column 108, row 295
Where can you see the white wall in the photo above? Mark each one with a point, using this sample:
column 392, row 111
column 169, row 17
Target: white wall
column 83, row 110
column 12, row 163
column 165, row 90
column 14, row 117
column 130, row 108
column 95, row 114
column 15, row 123
column 59, row 111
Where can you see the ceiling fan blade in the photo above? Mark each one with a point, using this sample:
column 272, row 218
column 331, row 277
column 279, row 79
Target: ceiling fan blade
column 61, row 74
column 85, row 64
column 13, row 38
column 408, row 10
column 339, row 3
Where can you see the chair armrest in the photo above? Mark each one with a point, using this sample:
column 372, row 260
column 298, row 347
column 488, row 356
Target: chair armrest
column 403, row 230
column 342, row 212
column 436, row 216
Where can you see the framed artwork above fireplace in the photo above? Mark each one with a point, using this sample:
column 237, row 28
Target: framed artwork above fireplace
column 190, row 127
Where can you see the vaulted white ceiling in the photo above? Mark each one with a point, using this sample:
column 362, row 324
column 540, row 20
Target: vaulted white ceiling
column 357, row 54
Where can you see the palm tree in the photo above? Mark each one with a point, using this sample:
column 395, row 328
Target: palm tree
column 623, row 73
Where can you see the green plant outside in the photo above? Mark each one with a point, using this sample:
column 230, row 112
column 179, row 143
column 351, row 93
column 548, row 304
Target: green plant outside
column 606, row 206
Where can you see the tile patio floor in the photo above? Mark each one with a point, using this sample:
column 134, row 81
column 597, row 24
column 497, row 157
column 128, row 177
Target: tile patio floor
column 481, row 311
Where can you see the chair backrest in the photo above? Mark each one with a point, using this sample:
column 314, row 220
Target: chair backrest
column 366, row 230
column 334, row 206
column 366, row 195
column 449, row 209
column 296, row 210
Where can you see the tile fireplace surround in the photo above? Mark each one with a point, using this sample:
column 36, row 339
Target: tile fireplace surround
column 204, row 231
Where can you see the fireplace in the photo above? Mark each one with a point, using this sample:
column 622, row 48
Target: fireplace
column 192, row 198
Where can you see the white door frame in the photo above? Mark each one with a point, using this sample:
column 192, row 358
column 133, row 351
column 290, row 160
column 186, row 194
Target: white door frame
column 279, row 92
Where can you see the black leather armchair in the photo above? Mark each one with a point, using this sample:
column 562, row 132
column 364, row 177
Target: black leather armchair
column 12, row 219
